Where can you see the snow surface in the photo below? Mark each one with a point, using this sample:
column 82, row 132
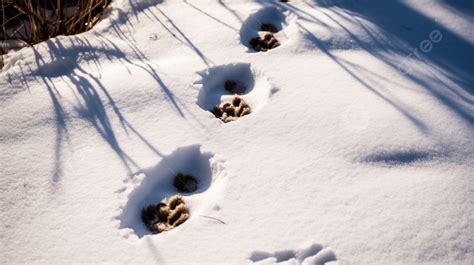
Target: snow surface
column 360, row 150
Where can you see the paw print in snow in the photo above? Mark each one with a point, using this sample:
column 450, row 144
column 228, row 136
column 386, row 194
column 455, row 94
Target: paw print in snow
column 165, row 216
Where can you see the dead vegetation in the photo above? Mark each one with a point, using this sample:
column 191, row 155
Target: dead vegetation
column 30, row 22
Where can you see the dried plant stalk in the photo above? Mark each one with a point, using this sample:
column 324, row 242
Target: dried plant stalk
column 34, row 21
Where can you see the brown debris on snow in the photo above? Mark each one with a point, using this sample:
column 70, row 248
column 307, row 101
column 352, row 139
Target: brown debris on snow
column 265, row 43
column 165, row 216
column 231, row 110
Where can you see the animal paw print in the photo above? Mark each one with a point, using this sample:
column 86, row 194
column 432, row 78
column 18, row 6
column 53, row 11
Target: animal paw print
column 231, row 110
column 165, row 216
column 312, row 255
column 160, row 198
column 266, row 41
column 232, row 91
column 260, row 32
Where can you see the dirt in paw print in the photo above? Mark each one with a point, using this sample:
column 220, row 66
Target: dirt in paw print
column 185, row 183
column 163, row 217
column 235, row 87
column 264, row 42
column 269, row 27
column 265, row 29
column 231, row 110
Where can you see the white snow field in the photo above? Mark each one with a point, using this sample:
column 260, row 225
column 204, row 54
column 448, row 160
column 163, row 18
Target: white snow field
column 359, row 148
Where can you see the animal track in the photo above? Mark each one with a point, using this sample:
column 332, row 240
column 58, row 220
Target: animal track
column 165, row 216
column 264, row 43
column 313, row 255
column 219, row 86
column 150, row 200
column 231, row 110
column 261, row 30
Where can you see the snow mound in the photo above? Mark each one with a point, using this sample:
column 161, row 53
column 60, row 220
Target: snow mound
column 154, row 185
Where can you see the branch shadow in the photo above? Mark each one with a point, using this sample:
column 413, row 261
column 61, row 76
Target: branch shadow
column 147, row 64
column 211, row 16
column 92, row 97
column 60, row 118
column 206, row 60
column 391, row 36
column 56, row 62
column 232, row 11
column 452, row 55
column 153, row 12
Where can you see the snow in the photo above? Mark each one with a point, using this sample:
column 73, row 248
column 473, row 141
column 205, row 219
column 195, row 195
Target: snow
column 359, row 151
